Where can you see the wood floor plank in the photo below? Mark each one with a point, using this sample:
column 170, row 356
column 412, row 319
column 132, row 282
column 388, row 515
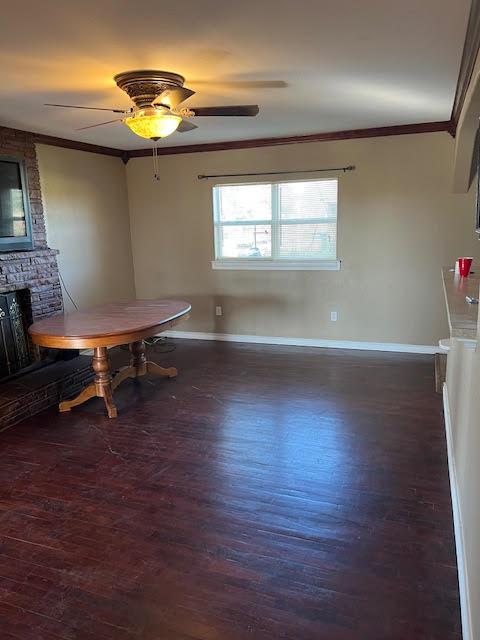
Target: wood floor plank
column 266, row 493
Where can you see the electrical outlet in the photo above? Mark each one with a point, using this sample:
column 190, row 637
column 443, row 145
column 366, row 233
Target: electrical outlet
column 218, row 311
column 333, row 316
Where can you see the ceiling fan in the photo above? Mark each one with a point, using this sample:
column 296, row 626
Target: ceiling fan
column 157, row 96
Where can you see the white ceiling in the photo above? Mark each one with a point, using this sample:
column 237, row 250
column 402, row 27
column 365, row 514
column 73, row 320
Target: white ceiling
column 347, row 64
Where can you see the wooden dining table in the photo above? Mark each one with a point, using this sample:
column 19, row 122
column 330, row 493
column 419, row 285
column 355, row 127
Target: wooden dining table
column 106, row 326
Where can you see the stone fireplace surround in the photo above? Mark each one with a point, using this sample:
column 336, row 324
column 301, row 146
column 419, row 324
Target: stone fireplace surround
column 37, row 272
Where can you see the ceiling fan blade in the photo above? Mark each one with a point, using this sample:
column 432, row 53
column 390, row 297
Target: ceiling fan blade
column 173, row 97
column 185, row 126
column 100, row 124
column 238, row 110
column 73, row 106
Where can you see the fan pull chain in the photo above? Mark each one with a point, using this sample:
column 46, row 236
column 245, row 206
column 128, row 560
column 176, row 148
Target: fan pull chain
column 156, row 175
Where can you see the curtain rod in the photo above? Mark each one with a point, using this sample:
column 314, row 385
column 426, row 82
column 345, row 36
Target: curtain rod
column 273, row 173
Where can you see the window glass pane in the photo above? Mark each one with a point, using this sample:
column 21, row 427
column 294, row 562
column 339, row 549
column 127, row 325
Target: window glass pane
column 308, row 241
column 245, row 241
column 302, row 220
column 299, row 200
column 245, row 202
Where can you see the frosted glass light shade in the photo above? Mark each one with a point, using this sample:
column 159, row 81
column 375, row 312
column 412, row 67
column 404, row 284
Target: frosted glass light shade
column 152, row 125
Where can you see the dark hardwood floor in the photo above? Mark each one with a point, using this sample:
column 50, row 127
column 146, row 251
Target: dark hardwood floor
column 267, row 493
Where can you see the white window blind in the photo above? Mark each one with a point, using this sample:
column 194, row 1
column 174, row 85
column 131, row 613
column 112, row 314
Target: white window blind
column 280, row 221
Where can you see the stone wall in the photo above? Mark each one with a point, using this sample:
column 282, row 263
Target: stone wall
column 37, row 270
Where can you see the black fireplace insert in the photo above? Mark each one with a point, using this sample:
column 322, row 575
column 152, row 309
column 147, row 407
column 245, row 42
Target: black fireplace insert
column 14, row 346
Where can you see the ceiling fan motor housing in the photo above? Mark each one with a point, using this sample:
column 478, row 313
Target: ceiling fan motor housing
column 144, row 86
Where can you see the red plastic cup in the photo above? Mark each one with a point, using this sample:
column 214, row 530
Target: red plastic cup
column 464, row 265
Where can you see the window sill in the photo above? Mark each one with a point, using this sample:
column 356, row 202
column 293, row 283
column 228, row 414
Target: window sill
column 276, row 265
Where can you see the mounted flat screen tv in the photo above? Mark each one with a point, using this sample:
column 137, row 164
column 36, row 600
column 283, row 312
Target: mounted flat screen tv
column 15, row 222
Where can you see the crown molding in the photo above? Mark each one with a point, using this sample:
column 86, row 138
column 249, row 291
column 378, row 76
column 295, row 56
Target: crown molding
column 396, row 130
column 40, row 138
column 351, row 134
column 467, row 64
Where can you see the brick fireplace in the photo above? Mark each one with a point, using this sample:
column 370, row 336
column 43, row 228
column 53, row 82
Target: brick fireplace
column 35, row 276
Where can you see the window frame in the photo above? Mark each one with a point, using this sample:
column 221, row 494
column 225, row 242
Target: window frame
column 270, row 263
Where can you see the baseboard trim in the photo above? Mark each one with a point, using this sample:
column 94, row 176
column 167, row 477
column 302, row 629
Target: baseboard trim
column 465, row 607
column 305, row 342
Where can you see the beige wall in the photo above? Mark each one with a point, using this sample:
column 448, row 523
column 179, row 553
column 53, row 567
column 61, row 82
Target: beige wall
column 398, row 224
column 86, row 209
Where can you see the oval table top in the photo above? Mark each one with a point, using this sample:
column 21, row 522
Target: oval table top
column 109, row 324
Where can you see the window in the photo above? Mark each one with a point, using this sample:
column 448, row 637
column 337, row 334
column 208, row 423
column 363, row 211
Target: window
column 280, row 225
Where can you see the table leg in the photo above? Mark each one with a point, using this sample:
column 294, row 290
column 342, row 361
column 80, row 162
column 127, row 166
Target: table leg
column 143, row 366
column 101, row 387
column 156, row 369
column 104, row 384
column 139, row 366
column 103, row 379
column 83, row 396
column 139, row 357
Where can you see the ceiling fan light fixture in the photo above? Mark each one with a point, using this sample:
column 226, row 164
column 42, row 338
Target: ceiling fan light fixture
column 150, row 124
